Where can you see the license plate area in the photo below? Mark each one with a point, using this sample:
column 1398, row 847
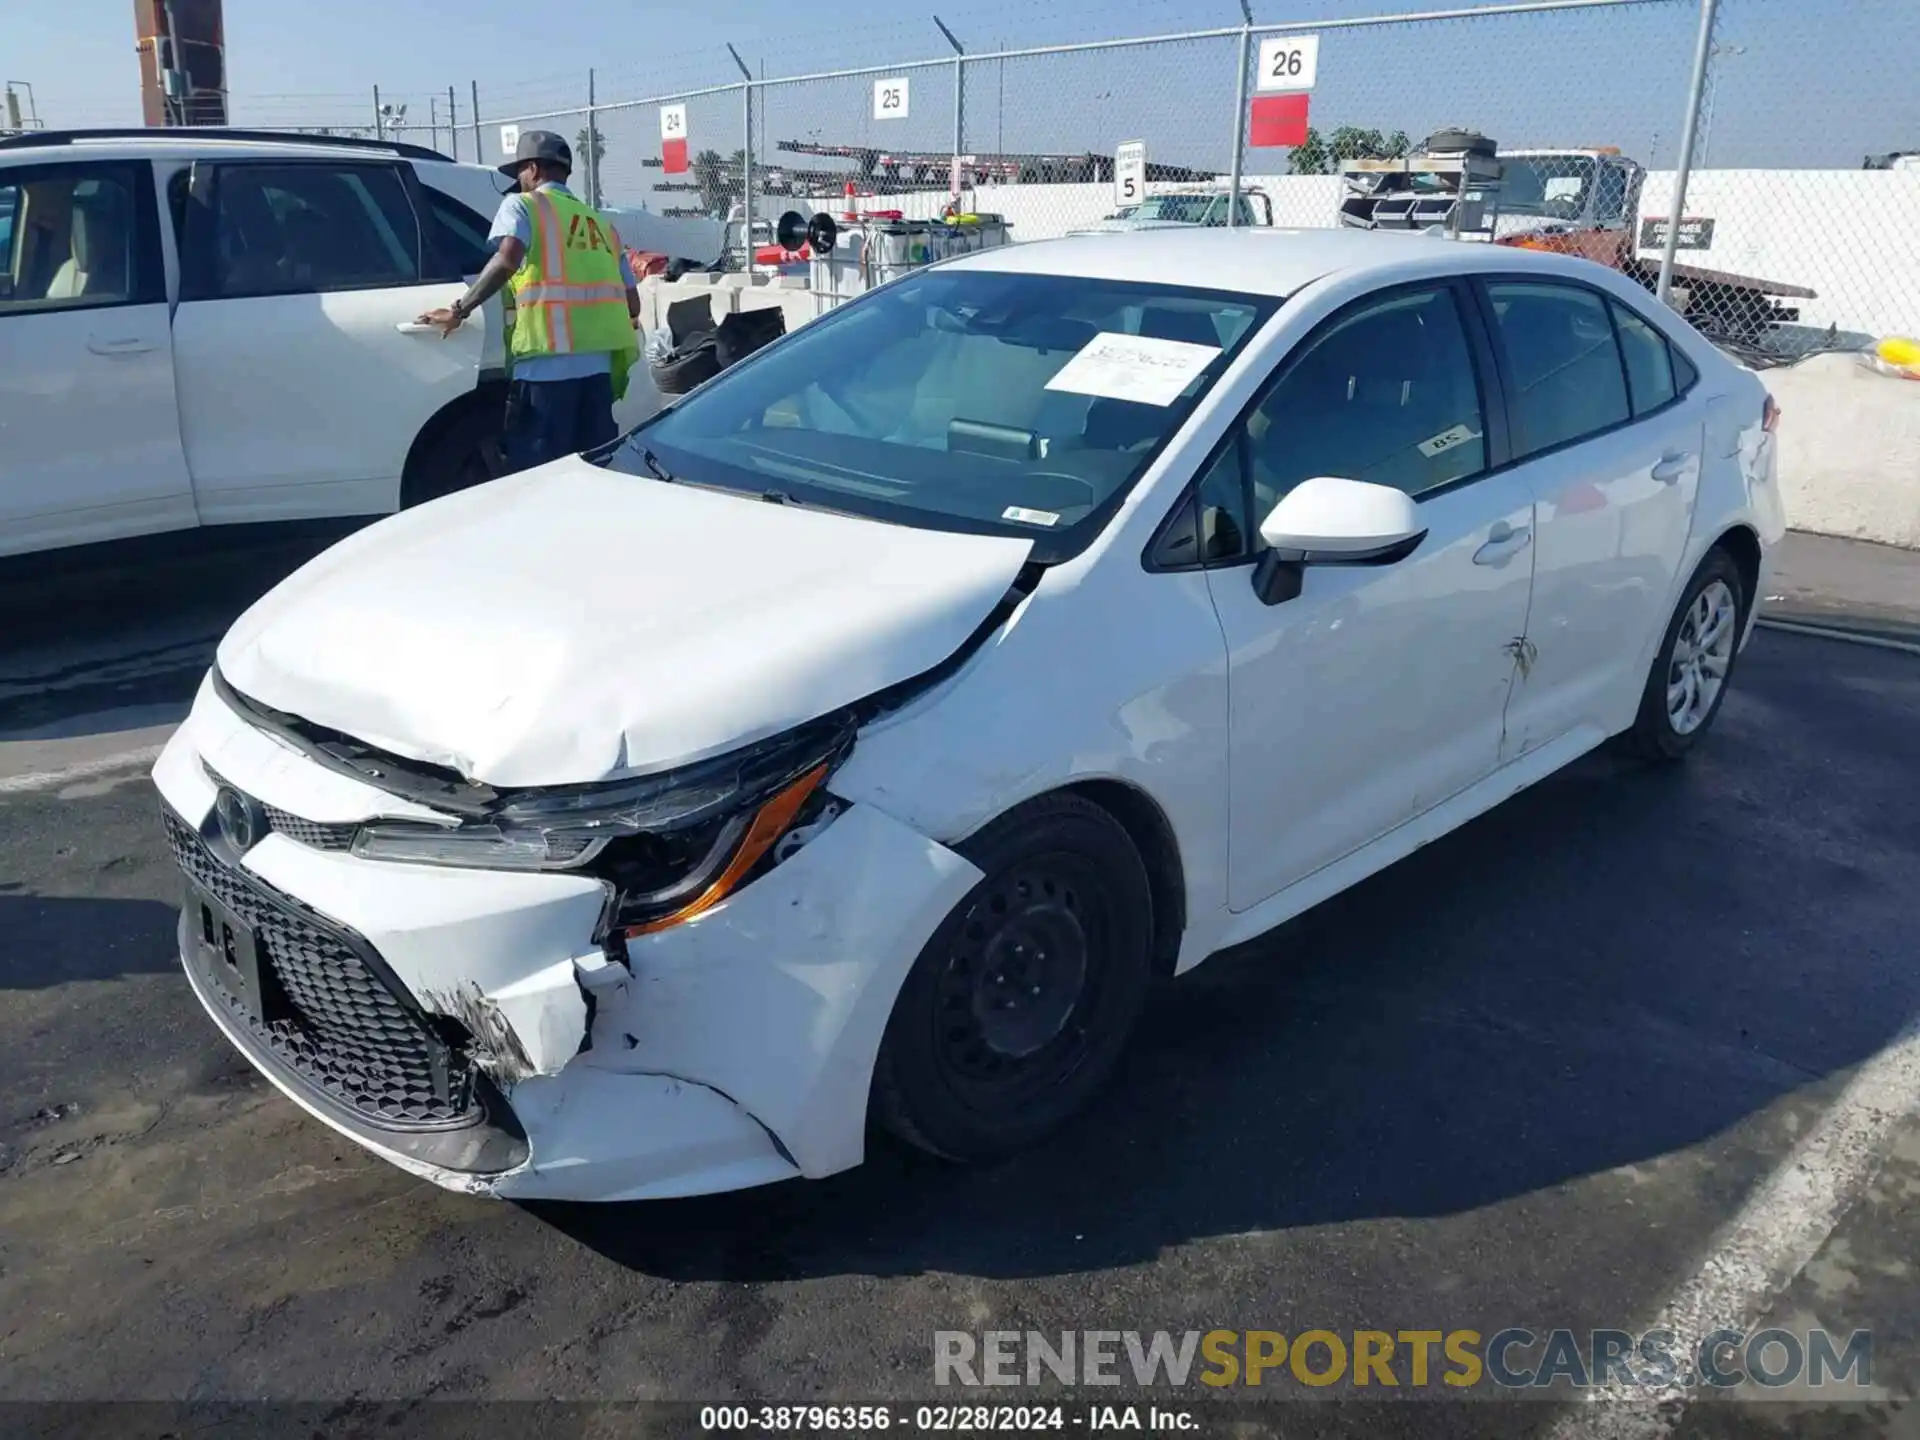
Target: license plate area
column 230, row 954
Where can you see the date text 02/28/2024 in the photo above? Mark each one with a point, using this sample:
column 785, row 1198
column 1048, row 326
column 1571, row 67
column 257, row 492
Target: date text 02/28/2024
column 938, row 1419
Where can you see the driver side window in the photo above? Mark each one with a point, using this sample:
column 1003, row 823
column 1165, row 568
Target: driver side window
column 1386, row 394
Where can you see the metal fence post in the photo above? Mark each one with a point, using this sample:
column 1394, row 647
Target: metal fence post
column 379, row 122
column 592, row 144
column 479, row 151
column 746, row 154
column 453, row 125
column 1702, row 57
column 959, row 88
column 1245, row 53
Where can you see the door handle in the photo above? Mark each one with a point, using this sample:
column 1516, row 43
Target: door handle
column 414, row 327
column 130, row 346
column 1672, row 466
column 1503, row 546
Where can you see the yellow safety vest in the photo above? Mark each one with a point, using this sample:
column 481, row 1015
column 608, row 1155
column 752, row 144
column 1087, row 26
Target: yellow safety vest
column 568, row 294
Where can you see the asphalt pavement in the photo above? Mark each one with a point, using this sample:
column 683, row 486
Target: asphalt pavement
column 1526, row 1078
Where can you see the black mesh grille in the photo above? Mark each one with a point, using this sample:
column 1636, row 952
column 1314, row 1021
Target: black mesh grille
column 316, row 833
column 340, row 1029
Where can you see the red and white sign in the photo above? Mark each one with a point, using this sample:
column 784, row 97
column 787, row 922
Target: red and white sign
column 673, row 139
column 1277, row 121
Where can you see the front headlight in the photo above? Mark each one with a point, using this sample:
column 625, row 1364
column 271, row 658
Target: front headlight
column 670, row 844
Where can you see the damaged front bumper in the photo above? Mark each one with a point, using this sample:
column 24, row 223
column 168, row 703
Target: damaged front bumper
column 464, row 1025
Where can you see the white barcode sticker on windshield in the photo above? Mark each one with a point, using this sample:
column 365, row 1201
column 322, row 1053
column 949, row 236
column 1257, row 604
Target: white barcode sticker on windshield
column 1447, row 439
column 1140, row 368
column 1029, row 517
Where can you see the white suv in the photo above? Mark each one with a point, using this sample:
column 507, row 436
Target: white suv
column 209, row 327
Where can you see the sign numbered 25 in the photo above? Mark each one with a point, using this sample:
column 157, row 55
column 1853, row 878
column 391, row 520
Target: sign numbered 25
column 890, row 99
column 1288, row 62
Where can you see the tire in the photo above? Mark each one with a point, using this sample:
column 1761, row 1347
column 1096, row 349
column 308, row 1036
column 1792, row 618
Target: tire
column 1448, row 141
column 1716, row 587
column 681, row 371
column 970, row 1066
column 467, row 452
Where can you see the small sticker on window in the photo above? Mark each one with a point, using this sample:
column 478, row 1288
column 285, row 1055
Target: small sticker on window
column 1029, row 517
column 1448, row 440
column 1140, row 368
column 1564, row 187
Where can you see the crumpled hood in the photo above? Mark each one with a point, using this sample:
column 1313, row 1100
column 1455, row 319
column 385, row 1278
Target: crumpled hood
column 571, row 623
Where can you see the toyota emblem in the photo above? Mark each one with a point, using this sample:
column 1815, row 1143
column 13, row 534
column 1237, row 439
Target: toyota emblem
column 241, row 820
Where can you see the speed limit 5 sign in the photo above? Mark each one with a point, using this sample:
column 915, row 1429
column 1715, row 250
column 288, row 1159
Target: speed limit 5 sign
column 1288, row 62
column 1130, row 173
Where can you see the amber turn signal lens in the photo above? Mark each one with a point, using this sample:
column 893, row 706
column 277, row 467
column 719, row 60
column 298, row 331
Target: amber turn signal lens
column 768, row 826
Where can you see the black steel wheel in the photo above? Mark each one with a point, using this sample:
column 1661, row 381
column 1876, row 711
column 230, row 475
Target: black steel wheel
column 1017, row 1011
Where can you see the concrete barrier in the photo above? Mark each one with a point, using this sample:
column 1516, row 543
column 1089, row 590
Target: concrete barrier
column 1849, row 450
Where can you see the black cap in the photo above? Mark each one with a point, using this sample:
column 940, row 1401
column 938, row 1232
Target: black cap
column 539, row 145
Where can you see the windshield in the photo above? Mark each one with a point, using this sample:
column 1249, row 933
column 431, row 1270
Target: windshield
column 1552, row 186
column 961, row 399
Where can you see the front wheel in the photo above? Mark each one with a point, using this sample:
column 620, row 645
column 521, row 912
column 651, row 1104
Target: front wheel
column 1018, row 1008
column 1690, row 674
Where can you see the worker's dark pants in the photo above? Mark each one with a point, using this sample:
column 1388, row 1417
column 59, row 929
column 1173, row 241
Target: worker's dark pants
column 547, row 419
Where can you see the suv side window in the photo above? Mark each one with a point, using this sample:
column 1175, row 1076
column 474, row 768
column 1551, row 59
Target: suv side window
column 460, row 233
column 302, row 229
column 1565, row 375
column 78, row 237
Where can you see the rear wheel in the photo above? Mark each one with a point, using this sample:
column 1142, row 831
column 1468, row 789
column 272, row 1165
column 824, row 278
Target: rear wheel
column 1690, row 674
column 467, row 452
column 1017, row 1010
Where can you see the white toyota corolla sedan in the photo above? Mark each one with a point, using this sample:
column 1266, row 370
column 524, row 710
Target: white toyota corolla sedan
column 866, row 734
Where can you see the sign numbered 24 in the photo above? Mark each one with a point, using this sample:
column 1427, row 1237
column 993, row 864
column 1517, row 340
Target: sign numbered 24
column 1288, row 62
column 890, row 99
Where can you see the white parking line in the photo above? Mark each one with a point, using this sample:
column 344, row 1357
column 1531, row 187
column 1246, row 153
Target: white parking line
column 1828, row 632
column 80, row 770
column 1779, row 1230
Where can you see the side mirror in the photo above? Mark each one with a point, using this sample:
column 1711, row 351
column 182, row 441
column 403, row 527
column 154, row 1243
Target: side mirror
column 1331, row 521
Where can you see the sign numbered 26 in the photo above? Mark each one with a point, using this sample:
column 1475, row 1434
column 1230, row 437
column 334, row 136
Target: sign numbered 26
column 890, row 99
column 1288, row 62
column 1130, row 173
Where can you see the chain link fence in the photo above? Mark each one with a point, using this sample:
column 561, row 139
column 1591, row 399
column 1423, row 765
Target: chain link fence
column 1787, row 241
column 1793, row 177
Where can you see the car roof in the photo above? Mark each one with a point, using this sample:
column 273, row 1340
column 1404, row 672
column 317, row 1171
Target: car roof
column 1256, row 259
column 163, row 143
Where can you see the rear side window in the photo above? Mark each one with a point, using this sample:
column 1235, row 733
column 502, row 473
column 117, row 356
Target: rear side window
column 1649, row 362
column 303, row 229
column 1564, row 367
column 78, row 237
column 460, row 234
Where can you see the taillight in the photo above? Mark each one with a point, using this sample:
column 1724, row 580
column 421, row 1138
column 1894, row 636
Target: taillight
column 1770, row 415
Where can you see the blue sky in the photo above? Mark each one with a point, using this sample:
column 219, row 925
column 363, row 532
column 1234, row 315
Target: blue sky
column 1799, row 82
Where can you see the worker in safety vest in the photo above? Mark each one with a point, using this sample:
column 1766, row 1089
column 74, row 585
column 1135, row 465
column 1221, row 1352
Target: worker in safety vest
column 575, row 307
